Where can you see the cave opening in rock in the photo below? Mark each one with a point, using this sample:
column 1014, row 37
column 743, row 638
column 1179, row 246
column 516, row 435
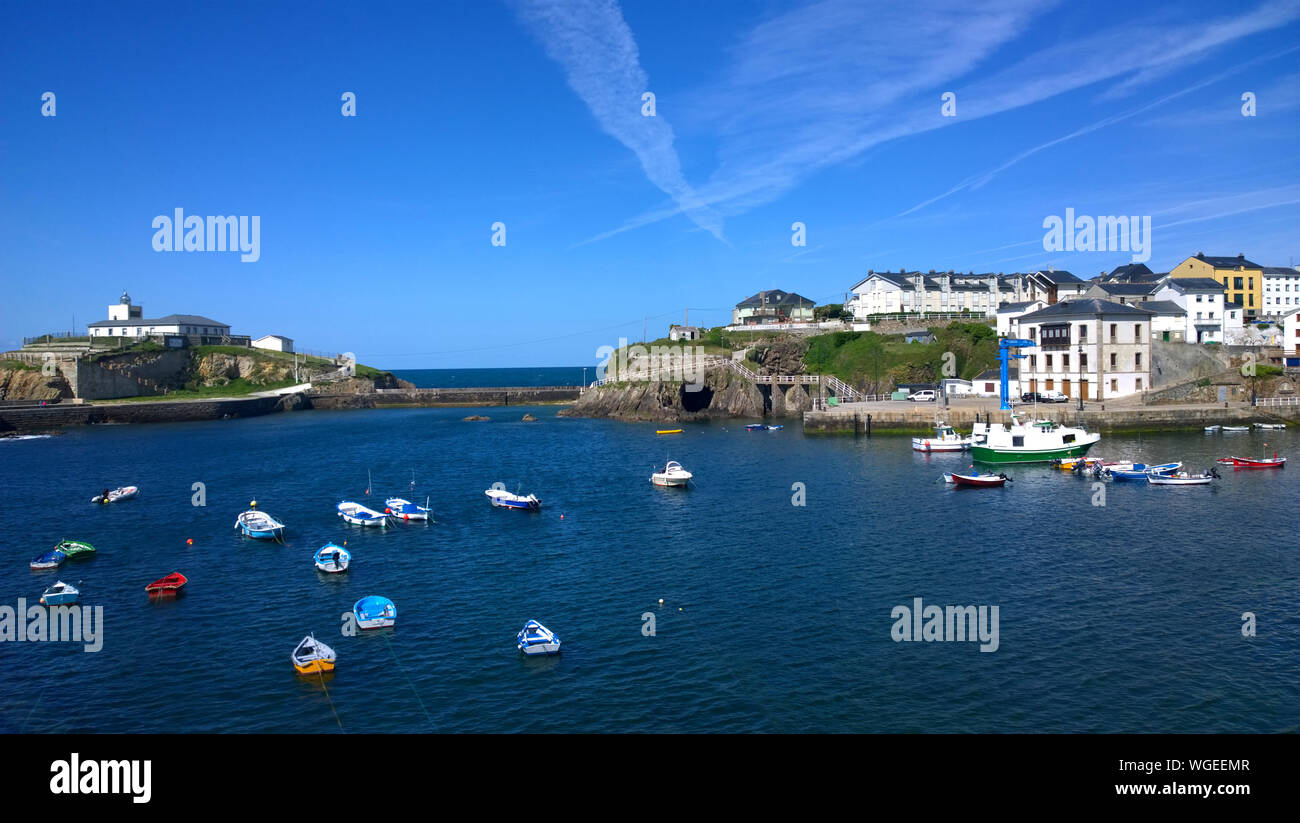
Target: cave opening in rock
column 695, row 401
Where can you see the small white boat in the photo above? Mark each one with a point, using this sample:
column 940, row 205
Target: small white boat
column 672, row 475
column 259, row 524
column 114, row 495
column 509, row 500
column 401, row 509
column 1236, row 428
column 1182, row 479
column 946, row 439
column 1212, row 429
column 60, row 594
column 1270, row 425
column 537, row 639
column 359, row 515
column 332, row 558
column 313, row 657
column 375, row 612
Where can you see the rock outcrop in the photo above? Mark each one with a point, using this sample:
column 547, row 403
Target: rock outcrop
column 722, row 394
column 31, row 384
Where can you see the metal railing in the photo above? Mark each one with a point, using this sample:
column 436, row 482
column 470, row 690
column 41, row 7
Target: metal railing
column 1277, row 401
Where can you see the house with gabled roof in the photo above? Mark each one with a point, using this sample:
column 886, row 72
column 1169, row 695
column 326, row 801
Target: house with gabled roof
column 1095, row 349
column 1242, row 279
column 773, row 306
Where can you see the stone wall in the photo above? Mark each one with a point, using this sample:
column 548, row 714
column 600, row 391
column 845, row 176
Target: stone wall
column 54, row 417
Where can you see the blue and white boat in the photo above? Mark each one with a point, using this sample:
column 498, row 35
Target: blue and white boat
column 375, row 612
column 1140, row 471
column 60, row 594
column 49, row 560
column 359, row 515
column 259, row 524
column 333, row 559
column 508, row 500
column 537, row 639
column 762, row 427
column 401, row 509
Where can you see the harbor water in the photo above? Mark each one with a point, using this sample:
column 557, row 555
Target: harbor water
column 1120, row 606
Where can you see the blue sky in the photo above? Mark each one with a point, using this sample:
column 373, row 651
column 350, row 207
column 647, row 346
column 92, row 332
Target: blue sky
column 375, row 229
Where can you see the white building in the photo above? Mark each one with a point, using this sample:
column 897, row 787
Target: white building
column 1053, row 286
column 949, row 292
column 1087, row 347
column 1202, row 300
column 1291, row 340
column 988, row 383
column 1281, row 290
column 1168, row 321
column 1009, row 315
column 274, row 342
column 126, row 320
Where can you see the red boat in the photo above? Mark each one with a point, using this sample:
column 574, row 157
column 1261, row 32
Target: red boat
column 979, row 479
column 169, row 584
column 1273, row 462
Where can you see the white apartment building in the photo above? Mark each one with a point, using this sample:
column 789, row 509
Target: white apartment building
column 1087, row 347
column 1202, row 300
column 934, row 293
column 1281, row 291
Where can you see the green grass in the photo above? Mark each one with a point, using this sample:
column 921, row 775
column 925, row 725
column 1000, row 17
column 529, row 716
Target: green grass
column 882, row 361
column 235, row 388
column 18, row 365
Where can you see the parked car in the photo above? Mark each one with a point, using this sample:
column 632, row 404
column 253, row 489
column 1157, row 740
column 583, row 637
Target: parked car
column 1032, row 397
column 922, row 396
column 1053, row 396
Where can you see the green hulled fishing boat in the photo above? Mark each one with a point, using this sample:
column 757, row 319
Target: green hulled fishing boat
column 1038, row 442
column 72, row 548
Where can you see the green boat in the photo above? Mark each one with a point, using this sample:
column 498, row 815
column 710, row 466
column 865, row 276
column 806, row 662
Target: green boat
column 72, row 548
column 1039, row 442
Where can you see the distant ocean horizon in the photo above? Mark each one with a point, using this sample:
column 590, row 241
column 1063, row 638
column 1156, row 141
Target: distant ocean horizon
column 481, row 378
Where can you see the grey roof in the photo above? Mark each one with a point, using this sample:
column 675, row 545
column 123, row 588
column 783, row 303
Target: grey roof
column 1126, row 288
column 169, row 320
column 1010, row 307
column 1228, row 262
column 775, row 298
column 1013, row 372
column 1086, row 307
column 958, row 281
column 1130, row 273
column 1281, row 270
column 1164, row 307
column 1195, row 284
column 1059, row 277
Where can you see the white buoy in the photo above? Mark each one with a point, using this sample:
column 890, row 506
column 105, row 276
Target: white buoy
column 661, row 601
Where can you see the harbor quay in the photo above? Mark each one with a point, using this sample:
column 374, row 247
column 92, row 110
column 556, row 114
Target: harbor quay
column 903, row 417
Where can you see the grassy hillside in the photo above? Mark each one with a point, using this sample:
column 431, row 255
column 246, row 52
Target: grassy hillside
column 880, row 362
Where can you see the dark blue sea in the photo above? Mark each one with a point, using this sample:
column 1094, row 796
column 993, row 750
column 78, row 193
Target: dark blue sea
column 776, row 617
column 492, row 378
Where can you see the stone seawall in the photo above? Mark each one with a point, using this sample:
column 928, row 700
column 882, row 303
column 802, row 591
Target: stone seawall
column 508, row 396
column 921, row 420
column 62, row 415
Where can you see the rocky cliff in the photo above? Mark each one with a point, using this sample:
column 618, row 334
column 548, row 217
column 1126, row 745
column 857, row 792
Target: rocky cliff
column 31, row 384
column 724, row 394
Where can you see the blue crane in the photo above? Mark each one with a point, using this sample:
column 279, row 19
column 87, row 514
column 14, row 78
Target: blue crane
column 1005, row 345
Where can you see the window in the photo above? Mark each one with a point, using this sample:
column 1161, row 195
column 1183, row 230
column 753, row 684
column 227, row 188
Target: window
column 1049, row 365
column 1083, row 362
column 1114, row 332
column 1083, row 333
column 1236, row 283
column 1137, row 362
column 1033, row 330
column 1057, row 334
column 1114, row 385
column 1017, row 440
column 1033, row 362
column 1137, row 384
column 1200, row 298
column 1137, row 332
column 1113, row 361
column 1065, row 362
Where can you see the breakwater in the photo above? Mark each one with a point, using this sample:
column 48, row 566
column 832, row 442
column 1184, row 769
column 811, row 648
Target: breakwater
column 920, row 419
column 63, row 415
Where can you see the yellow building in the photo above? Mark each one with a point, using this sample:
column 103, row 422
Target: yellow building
column 1242, row 279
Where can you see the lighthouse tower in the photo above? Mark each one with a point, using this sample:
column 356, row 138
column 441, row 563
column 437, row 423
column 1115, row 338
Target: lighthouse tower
column 124, row 310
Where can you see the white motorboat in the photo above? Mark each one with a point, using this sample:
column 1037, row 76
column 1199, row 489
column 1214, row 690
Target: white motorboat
column 1270, row 425
column 359, row 515
column 946, row 439
column 1182, row 479
column 672, row 475
column 332, row 558
column 402, row 509
column 1212, row 429
column 114, row 495
column 1041, row 441
column 537, row 639
column 509, row 500
column 1236, row 428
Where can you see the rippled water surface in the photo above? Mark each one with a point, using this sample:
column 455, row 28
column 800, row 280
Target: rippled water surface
column 776, row 617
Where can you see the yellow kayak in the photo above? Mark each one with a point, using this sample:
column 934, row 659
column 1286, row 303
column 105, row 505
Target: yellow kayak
column 669, row 431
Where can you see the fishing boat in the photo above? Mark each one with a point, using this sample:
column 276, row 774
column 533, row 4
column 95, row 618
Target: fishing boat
column 508, row 500
column 375, row 612
column 114, row 495
column 60, row 594
column 537, row 639
column 170, row 584
column 1070, row 464
column 333, row 559
column 259, row 524
column 978, row 480
column 359, row 515
column 49, row 560
column 1036, row 442
column 1273, row 462
column 1139, row 471
column 1213, row 429
column 1183, row 478
column 1235, row 428
column 1270, row 425
column 75, row 548
column 669, row 431
column 313, row 657
column 402, row 509
column 672, row 475
column 946, row 439
column 762, row 427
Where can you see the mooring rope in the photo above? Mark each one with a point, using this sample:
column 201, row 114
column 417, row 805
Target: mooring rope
column 398, row 663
